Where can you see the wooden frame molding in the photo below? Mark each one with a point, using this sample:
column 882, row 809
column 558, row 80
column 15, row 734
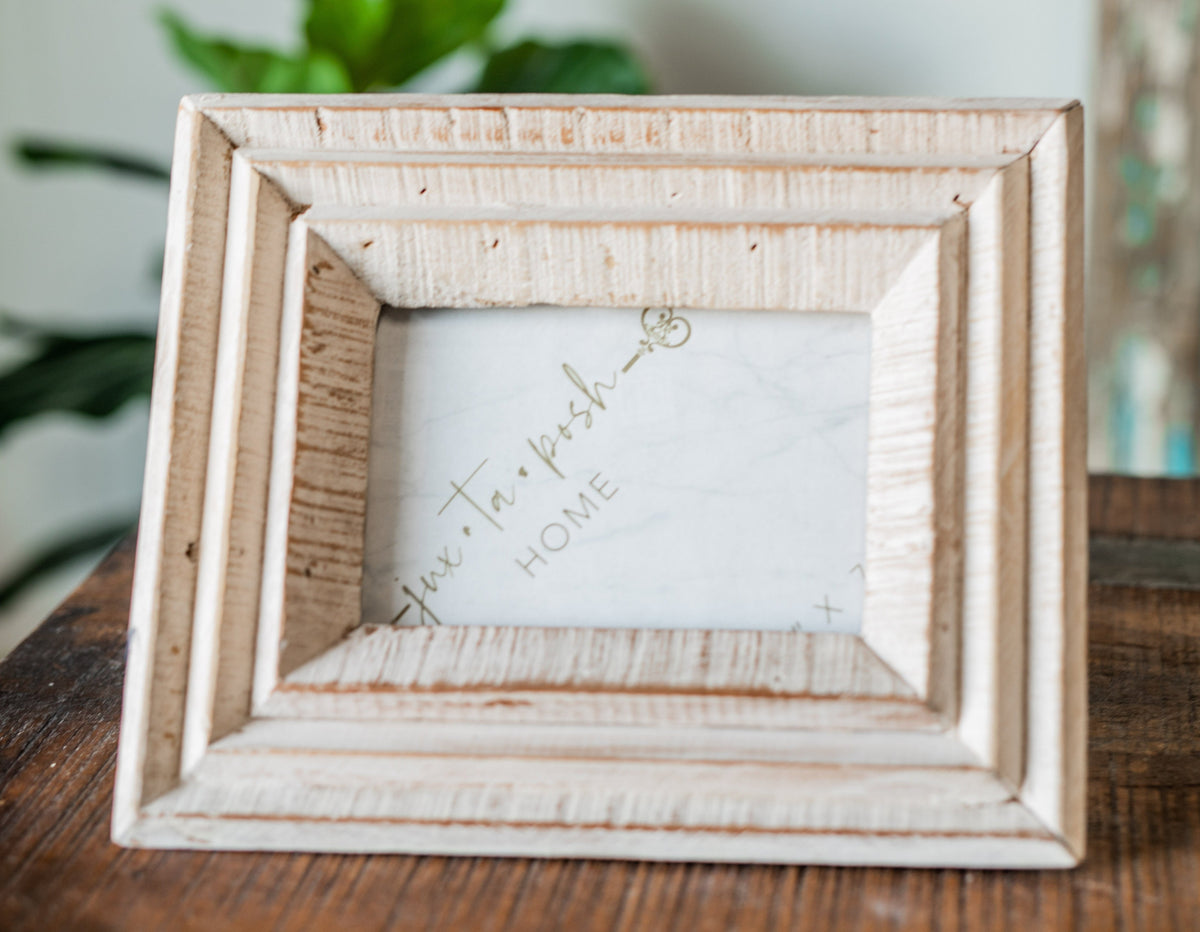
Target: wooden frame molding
column 259, row 713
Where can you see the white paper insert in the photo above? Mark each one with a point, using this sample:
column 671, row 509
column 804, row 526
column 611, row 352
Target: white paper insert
column 598, row 467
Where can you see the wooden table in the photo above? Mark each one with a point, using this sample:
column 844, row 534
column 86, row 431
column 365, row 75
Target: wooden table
column 60, row 699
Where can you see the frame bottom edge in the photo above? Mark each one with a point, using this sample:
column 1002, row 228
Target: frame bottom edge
column 864, row 849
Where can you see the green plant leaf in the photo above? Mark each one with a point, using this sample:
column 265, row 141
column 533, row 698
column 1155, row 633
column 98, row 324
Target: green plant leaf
column 383, row 43
column 350, row 29
column 572, row 68
column 61, row 553
column 93, row 376
column 43, row 153
column 240, row 68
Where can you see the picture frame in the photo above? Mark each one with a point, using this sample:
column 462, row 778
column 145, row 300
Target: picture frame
column 951, row 731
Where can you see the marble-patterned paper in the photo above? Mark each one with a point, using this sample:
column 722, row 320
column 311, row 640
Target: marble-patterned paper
column 599, row 467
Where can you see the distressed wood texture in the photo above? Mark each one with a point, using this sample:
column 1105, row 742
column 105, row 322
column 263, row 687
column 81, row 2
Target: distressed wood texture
column 59, row 704
column 956, row 225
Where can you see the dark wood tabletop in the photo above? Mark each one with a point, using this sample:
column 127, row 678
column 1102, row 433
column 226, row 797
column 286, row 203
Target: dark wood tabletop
column 60, row 695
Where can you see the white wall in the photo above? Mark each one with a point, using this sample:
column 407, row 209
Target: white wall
column 77, row 248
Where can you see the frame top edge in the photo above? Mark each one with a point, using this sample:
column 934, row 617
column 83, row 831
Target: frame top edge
column 395, row 101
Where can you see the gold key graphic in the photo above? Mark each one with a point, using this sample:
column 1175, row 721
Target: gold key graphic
column 666, row 330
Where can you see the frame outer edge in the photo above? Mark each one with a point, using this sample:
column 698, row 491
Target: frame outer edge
column 166, row 574
column 1055, row 784
column 160, row 615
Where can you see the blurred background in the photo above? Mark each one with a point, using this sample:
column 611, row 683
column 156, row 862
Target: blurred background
column 88, row 93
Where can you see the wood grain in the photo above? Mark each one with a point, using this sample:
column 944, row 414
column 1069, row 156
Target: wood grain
column 995, row 525
column 173, row 484
column 1056, row 651
column 59, row 705
column 235, row 496
column 996, row 403
column 460, row 179
column 329, row 405
column 1122, row 506
column 916, row 429
column 720, row 126
column 571, row 248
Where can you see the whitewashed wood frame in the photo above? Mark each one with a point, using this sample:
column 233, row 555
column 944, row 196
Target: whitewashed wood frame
column 260, row 715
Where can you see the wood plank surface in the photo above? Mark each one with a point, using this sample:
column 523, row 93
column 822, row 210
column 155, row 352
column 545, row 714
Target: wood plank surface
column 59, row 707
column 1124, row 506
